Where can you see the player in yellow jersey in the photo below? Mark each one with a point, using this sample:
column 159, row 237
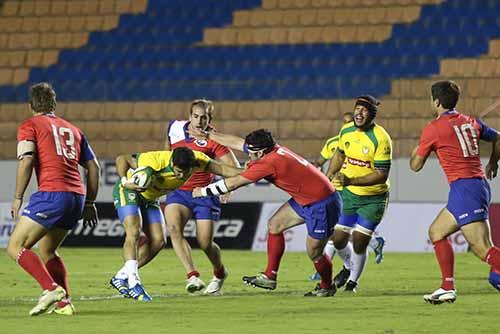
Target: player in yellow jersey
column 376, row 243
column 140, row 208
column 361, row 167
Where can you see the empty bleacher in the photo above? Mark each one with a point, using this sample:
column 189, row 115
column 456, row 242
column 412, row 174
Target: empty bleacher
column 123, row 68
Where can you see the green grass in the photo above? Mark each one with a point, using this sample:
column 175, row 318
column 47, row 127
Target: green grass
column 389, row 299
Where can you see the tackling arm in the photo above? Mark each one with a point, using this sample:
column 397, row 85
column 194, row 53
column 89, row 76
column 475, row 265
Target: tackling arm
column 222, row 186
column 233, row 142
column 223, row 169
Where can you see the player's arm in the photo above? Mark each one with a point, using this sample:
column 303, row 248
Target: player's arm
column 417, row 162
column 223, row 169
column 379, row 176
column 491, row 135
column 25, row 154
column 230, row 160
column 319, row 162
column 419, row 154
column 335, row 163
column 233, row 142
column 123, row 163
column 222, row 187
column 89, row 214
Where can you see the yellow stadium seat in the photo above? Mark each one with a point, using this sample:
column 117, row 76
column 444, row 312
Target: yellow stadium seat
column 79, row 39
column 77, row 23
column 10, row 8
column 17, row 58
column 257, row 18
column 486, row 67
column 244, row 36
column 265, row 110
column 110, row 22
column 286, row 4
column 324, row 17
column 61, row 23
column 12, row 24
column 348, row 33
column 27, row 8
column 273, row 18
column 302, row 3
column 74, row 8
column 138, row 6
column 58, row 7
column 30, row 24
column 8, row 130
column 286, row 129
column 211, row 36
column 291, row 18
column 269, row 4
column 20, row 76
column 48, row 41
column 313, row 35
column 319, row 3
column 123, row 6
column 241, row 18
column 93, row 22
column 278, row 35
column 271, row 125
column 308, row 17
column 63, row 40
column 262, row 36
column 90, row 7
column 296, row 35
column 227, row 36
column 42, row 8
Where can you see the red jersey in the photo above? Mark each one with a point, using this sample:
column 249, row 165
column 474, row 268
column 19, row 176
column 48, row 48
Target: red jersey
column 455, row 139
column 60, row 147
column 178, row 136
column 291, row 173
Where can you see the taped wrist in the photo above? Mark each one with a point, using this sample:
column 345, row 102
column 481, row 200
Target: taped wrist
column 215, row 189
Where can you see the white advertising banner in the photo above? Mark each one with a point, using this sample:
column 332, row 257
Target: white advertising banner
column 6, row 224
column 404, row 227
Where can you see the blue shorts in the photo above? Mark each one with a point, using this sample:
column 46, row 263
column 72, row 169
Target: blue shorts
column 468, row 200
column 320, row 217
column 51, row 209
column 150, row 214
column 206, row 208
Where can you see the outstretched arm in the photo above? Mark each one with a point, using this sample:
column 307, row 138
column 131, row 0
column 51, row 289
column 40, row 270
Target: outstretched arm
column 221, row 187
column 223, row 169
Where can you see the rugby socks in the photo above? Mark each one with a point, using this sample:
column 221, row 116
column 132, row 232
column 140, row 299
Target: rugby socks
column 275, row 250
column 358, row 265
column 220, row 273
column 346, row 255
column 324, row 267
column 32, row 264
column 493, row 258
column 329, row 249
column 446, row 261
column 193, row 273
column 131, row 266
column 57, row 270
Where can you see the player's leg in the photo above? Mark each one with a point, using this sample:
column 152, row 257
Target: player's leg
column 284, row 218
column 341, row 241
column 154, row 239
column 320, row 219
column 176, row 216
column 443, row 226
column 329, row 251
column 370, row 213
column 47, row 247
column 206, row 212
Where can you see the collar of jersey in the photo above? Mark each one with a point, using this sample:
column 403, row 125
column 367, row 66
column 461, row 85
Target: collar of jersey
column 450, row 112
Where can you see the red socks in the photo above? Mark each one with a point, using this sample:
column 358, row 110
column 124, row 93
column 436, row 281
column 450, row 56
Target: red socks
column 32, row 264
column 57, row 270
column 324, row 268
column 493, row 258
column 220, row 273
column 193, row 273
column 275, row 250
column 446, row 261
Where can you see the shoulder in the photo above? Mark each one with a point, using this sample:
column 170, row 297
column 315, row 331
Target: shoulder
column 29, row 123
column 347, row 128
column 332, row 140
column 381, row 133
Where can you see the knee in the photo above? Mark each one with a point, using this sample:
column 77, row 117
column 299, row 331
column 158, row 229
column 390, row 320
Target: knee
column 13, row 250
column 46, row 255
column 340, row 242
column 479, row 249
column 175, row 231
column 157, row 244
column 205, row 243
column 275, row 227
column 434, row 235
column 359, row 248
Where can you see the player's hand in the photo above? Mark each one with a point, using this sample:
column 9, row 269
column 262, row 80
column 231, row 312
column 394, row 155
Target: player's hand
column 197, row 192
column 15, row 207
column 198, row 133
column 341, row 180
column 89, row 215
column 224, row 198
column 133, row 186
column 491, row 170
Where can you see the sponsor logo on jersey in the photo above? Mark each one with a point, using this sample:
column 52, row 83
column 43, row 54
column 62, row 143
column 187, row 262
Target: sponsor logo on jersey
column 131, row 196
column 201, row 143
column 42, row 215
column 366, row 150
column 464, row 215
column 359, row 163
column 479, row 211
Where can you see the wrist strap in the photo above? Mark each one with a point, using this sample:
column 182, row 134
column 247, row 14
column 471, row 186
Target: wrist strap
column 215, row 189
column 124, row 180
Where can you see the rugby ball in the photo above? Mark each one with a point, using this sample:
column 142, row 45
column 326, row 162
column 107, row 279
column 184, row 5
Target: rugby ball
column 142, row 176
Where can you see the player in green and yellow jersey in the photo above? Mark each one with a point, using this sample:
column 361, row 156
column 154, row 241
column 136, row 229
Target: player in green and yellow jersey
column 376, row 243
column 360, row 166
column 139, row 208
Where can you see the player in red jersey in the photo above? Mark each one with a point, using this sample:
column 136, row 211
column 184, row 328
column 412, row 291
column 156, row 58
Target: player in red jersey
column 455, row 139
column 54, row 148
column 314, row 202
column 181, row 205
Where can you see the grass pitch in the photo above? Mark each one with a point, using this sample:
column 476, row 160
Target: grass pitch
column 389, row 299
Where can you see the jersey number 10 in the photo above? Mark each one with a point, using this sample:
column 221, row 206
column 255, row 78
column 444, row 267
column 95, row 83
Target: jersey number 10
column 468, row 139
column 66, row 134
